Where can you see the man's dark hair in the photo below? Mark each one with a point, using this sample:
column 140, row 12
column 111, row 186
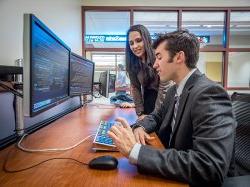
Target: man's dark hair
column 181, row 41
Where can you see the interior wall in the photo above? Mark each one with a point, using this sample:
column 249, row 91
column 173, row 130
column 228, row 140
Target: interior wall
column 180, row 3
column 205, row 57
column 63, row 17
column 238, row 69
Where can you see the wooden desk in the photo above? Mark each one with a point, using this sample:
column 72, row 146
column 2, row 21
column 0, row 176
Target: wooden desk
column 65, row 132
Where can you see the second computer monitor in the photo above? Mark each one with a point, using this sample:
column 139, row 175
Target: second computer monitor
column 81, row 75
column 112, row 79
column 107, row 81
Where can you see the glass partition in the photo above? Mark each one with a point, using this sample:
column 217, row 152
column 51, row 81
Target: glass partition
column 208, row 25
column 157, row 22
column 106, row 29
column 240, row 30
column 239, row 69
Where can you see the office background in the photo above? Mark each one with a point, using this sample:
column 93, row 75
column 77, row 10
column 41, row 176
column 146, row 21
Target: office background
column 65, row 18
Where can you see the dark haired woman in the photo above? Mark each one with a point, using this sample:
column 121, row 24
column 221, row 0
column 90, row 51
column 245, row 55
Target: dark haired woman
column 147, row 91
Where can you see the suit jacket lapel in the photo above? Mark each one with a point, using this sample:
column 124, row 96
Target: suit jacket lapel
column 183, row 99
column 168, row 117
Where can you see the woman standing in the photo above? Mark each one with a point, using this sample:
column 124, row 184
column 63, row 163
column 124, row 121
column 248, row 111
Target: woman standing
column 140, row 58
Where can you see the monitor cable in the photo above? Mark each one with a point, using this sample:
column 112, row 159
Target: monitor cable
column 12, row 90
column 5, row 168
column 19, row 146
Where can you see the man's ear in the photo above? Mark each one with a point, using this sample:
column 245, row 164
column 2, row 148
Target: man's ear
column 180, row 57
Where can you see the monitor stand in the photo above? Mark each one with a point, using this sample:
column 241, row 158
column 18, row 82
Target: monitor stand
column 19, row 116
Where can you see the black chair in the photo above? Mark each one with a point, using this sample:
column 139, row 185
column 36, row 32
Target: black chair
column 241, row 109
column 239, row 181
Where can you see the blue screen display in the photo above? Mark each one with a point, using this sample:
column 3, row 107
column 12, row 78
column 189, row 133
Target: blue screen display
column 49, row 68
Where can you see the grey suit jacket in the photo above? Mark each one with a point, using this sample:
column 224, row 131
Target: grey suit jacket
column 202, row 143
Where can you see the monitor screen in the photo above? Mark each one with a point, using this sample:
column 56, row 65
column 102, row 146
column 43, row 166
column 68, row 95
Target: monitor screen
column 46, row 67
column 81, row 75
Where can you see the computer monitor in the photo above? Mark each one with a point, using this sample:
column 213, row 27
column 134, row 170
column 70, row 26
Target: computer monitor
column 81, row 75
column 112, row 79
column 107, row 81
column 46, row 67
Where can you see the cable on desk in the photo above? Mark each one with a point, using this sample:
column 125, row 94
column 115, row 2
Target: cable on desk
column 30, row 167
column 42, row 150
column 52, row 149
column 12, row 90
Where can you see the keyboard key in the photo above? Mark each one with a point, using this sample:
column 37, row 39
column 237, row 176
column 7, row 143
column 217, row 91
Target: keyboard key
column 102, row 136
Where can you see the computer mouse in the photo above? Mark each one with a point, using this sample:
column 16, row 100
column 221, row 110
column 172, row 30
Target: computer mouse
column 104, row 163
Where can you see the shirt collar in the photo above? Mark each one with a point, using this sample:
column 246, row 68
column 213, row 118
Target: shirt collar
column 183, row 82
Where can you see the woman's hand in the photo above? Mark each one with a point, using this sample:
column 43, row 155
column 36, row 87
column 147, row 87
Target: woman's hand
column 127, row 105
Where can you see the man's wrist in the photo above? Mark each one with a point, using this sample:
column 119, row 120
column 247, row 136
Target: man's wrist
column 137, row 126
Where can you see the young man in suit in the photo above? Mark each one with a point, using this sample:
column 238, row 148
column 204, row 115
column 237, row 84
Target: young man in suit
column 195, row 122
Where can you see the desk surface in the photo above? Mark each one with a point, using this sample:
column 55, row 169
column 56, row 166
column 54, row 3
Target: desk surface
column 65, row 132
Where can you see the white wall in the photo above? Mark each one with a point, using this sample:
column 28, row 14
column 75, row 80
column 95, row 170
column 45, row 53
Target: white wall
column 63, row 17
column 180, row 3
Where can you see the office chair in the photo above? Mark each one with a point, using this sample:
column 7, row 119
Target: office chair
column 241, row 109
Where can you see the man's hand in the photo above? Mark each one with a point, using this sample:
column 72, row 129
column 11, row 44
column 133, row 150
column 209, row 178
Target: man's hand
column 141, row 136
column 122, row 136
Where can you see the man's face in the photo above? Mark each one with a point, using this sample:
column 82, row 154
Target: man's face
column 164, row 65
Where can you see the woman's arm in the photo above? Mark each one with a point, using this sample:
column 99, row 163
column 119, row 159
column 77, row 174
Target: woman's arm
column 137, row 96
column 162, row 90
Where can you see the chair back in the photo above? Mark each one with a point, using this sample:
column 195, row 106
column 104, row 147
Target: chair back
column 241, row 109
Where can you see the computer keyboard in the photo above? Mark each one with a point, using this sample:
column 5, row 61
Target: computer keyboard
column 102, row 141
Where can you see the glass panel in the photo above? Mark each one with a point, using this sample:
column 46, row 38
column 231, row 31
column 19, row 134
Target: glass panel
column 210, row 63
column 239, row 69
column 157, row 22
column 121, row 60
column 104, row 61
column 208, row 26
column 107, row 61
column 106, row 29
column 240, row 29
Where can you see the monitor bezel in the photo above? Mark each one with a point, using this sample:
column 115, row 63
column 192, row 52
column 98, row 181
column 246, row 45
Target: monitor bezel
column 32, row 21
column 92, row 82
